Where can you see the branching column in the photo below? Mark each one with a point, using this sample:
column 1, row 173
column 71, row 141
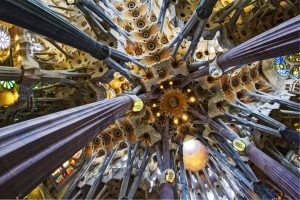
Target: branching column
column 36, row 16
column 166, row 189
column 285, row 179
column 31, row 150
column 281, row 40
column 279, row 174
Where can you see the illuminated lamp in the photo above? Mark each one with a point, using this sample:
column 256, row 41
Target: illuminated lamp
column 176, row 121
column 184, row 117
column 195, row 154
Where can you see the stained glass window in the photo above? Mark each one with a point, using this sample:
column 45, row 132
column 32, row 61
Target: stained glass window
column 7, row 85
column 295, row 71
column 295, row 58
column 281, row 66
column 61, row 176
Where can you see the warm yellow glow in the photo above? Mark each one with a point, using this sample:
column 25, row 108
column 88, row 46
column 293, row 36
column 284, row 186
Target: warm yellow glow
column 161, row 87
column 195, row 155
column 296, row 124
column 8, row 98
column 158, row 114
column 138, row 106
column 171, row 83
column 184, row 117
column 192, row 99
column 16, row 37
column 72, row 162
column 8, row 25
column 35, row 194
column 19, row 58
column 18, row 47
column 176, row 121
column 248, row 8
column 154, row 105
column 16, row 95
column 189, row 90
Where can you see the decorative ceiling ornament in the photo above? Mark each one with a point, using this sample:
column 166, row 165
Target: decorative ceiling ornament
column 173, row 103
column 173, row 95
column 4, row 38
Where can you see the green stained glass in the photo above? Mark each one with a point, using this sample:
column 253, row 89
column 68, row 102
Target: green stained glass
column 8, row 85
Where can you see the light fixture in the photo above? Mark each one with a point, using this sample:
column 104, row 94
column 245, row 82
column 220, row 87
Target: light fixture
column 195, row 154
column 184, row 117
column 192, row 99
column 176, row 121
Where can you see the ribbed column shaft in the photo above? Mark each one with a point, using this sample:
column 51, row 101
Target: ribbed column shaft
column 284, row 179
column 287, row 181
column 281, row 40
column 35, row 16
column 166, row 189
column 31, row 150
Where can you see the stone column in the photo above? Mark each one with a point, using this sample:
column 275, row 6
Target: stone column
column 31, row 150
column 36, row 16
column 166, row 189
column 283, row 178
column 281, row 40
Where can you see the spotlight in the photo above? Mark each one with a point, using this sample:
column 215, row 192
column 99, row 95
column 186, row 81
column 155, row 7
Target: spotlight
column 176, row 121
column 184, row 117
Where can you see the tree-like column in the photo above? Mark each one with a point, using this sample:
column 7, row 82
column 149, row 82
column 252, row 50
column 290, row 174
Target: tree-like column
column 31, row 150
